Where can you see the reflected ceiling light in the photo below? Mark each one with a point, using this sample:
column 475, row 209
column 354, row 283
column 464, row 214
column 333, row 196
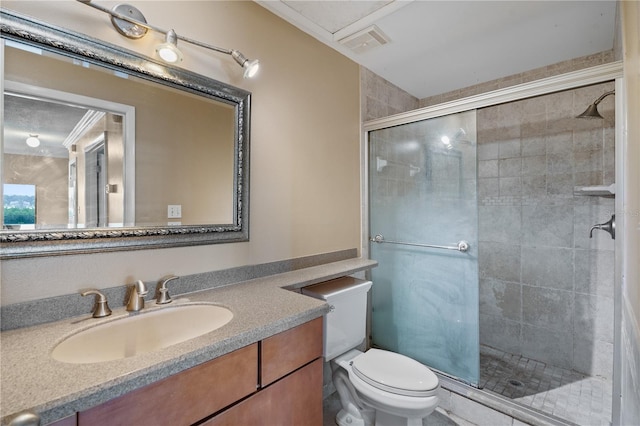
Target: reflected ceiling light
column 130, row 22
column 458, row 138
column 592, row 110
column 168, row 51
column 446, row 141
column 33, row 141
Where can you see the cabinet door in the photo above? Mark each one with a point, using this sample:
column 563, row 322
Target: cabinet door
column 183, row 398
column 291, row 349
column 294, row 400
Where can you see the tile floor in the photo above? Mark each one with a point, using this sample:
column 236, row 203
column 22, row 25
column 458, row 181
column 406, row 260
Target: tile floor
column 572, row 396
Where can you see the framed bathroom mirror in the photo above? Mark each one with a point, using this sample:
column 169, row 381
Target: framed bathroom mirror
column 131, row 153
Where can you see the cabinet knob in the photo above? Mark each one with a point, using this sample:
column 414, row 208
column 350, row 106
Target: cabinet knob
column 25, row 419
column 101, row 308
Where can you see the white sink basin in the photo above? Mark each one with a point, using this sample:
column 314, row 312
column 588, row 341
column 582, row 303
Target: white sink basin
column 142, row 333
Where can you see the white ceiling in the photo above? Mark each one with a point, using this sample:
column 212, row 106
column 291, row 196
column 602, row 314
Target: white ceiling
column 51, row 122
column 439, row 46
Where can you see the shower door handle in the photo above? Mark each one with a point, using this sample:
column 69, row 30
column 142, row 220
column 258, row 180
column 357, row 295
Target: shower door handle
column 462, row 245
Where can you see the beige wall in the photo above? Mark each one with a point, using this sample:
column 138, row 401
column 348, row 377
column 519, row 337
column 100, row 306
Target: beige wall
column 304, row 145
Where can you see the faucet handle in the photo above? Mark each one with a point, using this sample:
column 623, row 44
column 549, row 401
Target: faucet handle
column 101, row 308
column 163, row 291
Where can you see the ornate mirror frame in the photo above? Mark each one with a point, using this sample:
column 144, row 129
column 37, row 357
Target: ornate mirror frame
column 18, row 244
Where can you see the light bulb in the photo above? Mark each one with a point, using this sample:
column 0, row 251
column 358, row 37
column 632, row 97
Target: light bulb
column 33, row 141
column 168, row 51
column 168, row 54
column 251, row 68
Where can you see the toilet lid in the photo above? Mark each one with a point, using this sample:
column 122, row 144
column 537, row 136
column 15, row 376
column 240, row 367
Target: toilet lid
column 395, row 373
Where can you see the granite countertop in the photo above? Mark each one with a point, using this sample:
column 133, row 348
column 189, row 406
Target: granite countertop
column 33, row 381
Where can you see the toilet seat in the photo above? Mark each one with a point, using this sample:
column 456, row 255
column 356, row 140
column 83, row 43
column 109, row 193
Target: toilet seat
column 395, row 373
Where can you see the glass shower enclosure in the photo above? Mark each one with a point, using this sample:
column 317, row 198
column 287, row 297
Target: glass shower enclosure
column 423, row 227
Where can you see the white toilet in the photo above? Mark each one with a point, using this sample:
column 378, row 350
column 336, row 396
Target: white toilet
column 376, row 387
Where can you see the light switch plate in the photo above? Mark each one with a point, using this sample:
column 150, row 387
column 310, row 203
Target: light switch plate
column 174, row 211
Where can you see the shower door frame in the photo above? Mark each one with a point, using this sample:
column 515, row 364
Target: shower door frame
column 608, row 72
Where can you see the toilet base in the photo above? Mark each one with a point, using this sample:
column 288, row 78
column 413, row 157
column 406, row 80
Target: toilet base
column 343, row 418
column 386, row 419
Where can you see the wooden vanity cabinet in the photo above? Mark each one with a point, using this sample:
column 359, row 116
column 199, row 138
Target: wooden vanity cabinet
column 291, row 382
column 277, row 381
column 289, row 350
column 184, row 398
column 294, row 400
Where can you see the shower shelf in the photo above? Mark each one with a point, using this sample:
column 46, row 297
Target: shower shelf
column 596, row 190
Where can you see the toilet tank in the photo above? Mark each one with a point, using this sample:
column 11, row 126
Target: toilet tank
column 345, row 324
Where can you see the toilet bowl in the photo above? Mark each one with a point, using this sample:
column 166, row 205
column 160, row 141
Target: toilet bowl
column 399, row 390
column 376, row 387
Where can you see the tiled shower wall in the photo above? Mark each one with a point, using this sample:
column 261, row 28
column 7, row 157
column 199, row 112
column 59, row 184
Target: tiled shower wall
column 546, row 288
column 380, row 98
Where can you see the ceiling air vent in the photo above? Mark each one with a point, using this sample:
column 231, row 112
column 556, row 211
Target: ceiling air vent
column 365, row 40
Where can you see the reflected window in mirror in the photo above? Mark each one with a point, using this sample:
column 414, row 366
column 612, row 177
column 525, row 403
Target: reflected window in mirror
column 19, row 206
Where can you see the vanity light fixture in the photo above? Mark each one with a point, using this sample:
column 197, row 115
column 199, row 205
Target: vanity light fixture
column 251, row 67
column 131, row 23
column 592, row 110
column 168, row 50
column 33, row 141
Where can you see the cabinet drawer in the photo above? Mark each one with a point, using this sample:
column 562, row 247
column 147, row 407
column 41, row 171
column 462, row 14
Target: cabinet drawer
column 294, row 400
column 289, row 350
column 183, row 398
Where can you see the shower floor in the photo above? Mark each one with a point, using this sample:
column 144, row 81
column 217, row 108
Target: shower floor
column 563, row 393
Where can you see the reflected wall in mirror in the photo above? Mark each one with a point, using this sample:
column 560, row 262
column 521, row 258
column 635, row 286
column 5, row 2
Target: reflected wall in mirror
column 121, row 138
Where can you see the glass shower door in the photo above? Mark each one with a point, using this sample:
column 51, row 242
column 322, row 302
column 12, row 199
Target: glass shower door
column 422, row 181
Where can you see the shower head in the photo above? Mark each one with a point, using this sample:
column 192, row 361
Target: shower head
column 592, row 110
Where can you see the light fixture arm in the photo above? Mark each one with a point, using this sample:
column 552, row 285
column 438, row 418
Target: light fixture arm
column 148, row 26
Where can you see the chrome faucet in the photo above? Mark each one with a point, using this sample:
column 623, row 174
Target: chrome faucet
column 163, row 291
column 609, row 226
column 101, row 308
column 136, row 297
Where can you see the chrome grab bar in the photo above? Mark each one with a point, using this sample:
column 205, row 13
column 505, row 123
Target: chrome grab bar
column 462, row 246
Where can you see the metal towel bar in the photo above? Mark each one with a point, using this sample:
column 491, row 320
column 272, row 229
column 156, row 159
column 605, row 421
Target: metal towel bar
column 462, row 246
